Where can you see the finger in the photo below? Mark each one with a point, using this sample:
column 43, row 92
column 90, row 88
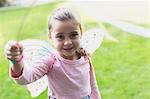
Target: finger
column 8, row 52
column 8, row 45
column 20, row 46
column 14, row 48
column 7, row 48
column 12, row 42
column 13, row 57
column 17, row 46
column 14, row 53
column 9, row 57
column 16, row 57
column 13, row 45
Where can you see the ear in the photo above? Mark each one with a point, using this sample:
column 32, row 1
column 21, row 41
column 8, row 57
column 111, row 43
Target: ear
column 49, row 36
column 80, row 34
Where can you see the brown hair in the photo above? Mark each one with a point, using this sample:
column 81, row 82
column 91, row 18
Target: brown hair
column 64, row 14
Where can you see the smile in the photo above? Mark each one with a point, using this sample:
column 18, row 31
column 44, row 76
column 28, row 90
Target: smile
column 67, row 49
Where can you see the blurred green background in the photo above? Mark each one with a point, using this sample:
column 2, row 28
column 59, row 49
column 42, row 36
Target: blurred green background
column 122, row 68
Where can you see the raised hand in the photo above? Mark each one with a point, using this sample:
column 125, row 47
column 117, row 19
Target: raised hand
column 14, row 51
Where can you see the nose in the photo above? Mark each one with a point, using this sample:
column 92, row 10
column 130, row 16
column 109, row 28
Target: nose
column 67, row 42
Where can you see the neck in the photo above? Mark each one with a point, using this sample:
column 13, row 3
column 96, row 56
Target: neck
column 74, row 57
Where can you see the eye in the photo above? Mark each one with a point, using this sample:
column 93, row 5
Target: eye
column 60, row 37
column 74, row 35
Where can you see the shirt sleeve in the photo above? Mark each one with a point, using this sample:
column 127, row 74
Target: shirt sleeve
column 32, row 73
column 95, row 94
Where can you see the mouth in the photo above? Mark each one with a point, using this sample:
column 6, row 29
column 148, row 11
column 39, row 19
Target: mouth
column 68, row 49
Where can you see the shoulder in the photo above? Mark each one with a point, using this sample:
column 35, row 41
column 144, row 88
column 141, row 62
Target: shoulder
column 49, row 59
column 87, row 58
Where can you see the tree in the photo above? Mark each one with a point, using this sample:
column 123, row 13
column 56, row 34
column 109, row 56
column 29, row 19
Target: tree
column 3, row 2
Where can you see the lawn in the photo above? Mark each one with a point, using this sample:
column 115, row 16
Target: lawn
column 122, row 69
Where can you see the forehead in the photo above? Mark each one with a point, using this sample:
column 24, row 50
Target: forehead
column 65, row 26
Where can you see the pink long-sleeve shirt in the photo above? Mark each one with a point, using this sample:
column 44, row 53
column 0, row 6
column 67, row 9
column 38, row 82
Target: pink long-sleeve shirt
column 67, row 79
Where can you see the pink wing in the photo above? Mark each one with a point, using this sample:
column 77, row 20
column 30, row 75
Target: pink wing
column 92, row 39
column 34, row 50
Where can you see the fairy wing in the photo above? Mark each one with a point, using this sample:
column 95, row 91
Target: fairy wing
column 33, row 51
column 92, row 39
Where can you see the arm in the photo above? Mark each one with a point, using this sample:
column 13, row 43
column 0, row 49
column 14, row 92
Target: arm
column 22, row 71
column 28, row 74
column 95, row 94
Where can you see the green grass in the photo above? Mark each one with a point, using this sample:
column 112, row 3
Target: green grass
column 122, row 69
column 34, row 26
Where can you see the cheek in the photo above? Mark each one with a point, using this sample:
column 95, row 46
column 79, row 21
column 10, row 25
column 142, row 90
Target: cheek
column 54, row 42
column 77, row 43
column 58, row 45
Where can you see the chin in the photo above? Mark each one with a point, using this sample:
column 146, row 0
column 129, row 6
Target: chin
column 69, row 54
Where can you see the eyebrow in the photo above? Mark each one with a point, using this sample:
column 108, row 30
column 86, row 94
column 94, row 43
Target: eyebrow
column 60, row 33
column 73, row 32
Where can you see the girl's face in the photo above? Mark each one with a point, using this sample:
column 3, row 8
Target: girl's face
column 66, row 36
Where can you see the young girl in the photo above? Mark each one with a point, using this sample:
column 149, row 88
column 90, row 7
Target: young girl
column 69, row 70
